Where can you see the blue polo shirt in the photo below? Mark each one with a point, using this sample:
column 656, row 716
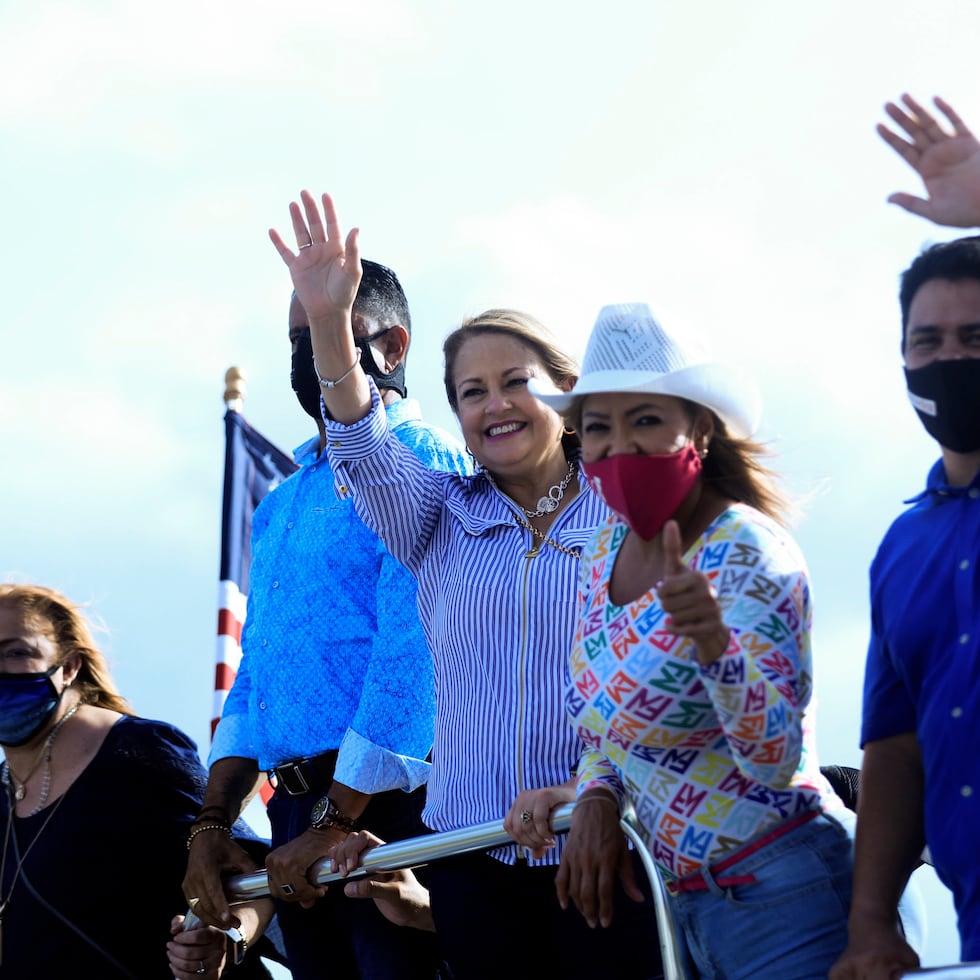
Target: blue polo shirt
column 923, row 673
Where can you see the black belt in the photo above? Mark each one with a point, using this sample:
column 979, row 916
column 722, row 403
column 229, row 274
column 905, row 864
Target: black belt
column 306, row 775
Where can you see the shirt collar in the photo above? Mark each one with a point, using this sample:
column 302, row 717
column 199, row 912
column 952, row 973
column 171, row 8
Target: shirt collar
column 937, row 487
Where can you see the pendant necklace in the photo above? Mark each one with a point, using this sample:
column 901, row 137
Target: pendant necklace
column 18, row 792
column 552, row 501
column 19, row 786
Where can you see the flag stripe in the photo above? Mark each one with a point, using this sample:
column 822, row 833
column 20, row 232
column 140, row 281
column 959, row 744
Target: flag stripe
column 253, row 467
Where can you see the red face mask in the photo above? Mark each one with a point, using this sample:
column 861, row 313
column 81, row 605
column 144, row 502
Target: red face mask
column 645, row 491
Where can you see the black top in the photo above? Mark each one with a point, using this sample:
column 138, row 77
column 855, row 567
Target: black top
column 99, row 887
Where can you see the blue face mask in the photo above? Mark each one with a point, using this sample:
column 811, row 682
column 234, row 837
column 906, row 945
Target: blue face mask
column 27, row 703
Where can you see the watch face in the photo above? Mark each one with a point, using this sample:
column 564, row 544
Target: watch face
column 320, row 809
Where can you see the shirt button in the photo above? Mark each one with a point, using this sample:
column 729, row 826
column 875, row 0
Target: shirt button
column 964, row 564
column 336, row 445
column 957, row 712
column 262, row 705
column 265, row 643
column 313, row 468
column 275, row 585
column 966, row 791
column 290, row 525
column 342, row 488
column 965, row 638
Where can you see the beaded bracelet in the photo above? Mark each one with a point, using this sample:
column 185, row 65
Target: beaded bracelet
column 224, row 828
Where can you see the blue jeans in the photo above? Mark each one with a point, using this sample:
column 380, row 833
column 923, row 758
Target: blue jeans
column 790, row 924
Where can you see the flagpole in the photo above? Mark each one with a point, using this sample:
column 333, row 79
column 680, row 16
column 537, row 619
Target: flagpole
column 235, row 389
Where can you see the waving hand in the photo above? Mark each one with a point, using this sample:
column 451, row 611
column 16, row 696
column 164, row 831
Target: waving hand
column 947, row 162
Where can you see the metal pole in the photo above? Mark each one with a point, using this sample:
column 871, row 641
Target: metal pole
column 410, row 853
column 416, row 851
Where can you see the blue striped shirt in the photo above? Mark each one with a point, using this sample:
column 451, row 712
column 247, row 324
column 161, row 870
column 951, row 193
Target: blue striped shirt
column 499, row 610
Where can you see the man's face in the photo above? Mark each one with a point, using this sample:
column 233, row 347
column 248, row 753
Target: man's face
column 943, row 322
column 363, row 326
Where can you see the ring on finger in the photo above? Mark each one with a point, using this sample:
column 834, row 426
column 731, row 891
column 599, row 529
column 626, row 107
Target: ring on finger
column 526, row 816
column 287, row 889
column 307, row 245
column 202, row 968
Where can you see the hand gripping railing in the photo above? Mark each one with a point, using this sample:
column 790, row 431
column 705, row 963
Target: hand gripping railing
column 417, row 851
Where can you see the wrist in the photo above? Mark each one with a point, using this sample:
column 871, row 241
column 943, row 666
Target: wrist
column 212, row 813
column 327, row 815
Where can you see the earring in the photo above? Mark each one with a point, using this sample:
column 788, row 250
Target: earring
column 704, row 453
column 569, row 432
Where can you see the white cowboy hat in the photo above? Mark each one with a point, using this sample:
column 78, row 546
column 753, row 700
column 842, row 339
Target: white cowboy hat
column 628, row 351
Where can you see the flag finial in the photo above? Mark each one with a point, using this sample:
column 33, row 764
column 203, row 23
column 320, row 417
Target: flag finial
column 235, row 379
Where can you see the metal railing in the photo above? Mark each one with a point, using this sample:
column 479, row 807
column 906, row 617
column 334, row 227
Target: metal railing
column 417, row 851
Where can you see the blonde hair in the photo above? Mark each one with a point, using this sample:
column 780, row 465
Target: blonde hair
column 561, row 368
column 73, row 635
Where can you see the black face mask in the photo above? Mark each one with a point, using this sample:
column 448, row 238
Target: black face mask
column 302, row 375
column 383, row 379
column 946, row 397
column 303, row 379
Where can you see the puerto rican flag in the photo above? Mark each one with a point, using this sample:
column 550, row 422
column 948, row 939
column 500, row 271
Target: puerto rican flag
column 253, row 467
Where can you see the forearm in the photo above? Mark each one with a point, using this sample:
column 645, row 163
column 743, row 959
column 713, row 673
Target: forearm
column 336, row 357
column 890, row 834
column 351, row 802
column 232, row 782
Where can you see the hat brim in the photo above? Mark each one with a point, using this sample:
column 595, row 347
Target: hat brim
column 726, row 390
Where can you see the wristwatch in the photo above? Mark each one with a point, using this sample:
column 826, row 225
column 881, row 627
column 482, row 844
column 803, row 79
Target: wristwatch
column 327, row 814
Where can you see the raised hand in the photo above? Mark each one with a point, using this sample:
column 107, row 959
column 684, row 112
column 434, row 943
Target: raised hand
column 947, row 162
column 326, row 267
column 690, row 600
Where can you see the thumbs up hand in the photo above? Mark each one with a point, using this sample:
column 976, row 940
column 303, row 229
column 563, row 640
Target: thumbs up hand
column 691, row 602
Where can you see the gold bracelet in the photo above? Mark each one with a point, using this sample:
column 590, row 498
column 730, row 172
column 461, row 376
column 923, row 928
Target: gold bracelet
column 208, row 826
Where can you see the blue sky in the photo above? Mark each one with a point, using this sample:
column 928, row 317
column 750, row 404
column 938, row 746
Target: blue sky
column 716, row 160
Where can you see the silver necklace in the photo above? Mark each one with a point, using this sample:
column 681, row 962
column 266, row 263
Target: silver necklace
column 550, row 503
column 19, row 791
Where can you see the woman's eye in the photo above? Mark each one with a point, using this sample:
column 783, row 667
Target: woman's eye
column 13, row 653
column 517, row 382
column 469, row 393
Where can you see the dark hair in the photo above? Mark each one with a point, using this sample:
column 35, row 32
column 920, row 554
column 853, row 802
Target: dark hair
column 562, row 369
column 380, row 295
column 959, row 259
column 72, row 634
